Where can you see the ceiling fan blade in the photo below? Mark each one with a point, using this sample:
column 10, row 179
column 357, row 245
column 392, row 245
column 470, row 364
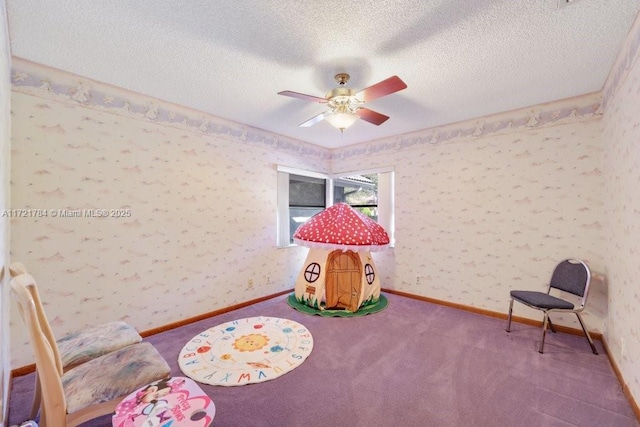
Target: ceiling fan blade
column 313, row 120
column 303, row 96
column 371, row 116
column 385, row 87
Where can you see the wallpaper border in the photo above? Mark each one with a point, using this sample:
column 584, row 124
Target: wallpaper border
column 570, row 110
column 46, row 82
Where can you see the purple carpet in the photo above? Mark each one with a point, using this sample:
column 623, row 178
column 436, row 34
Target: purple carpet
column 412, row 364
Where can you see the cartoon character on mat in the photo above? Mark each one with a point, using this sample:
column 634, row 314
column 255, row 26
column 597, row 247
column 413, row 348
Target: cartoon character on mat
column 151, row 395
column 166, row 403
column 148, row 402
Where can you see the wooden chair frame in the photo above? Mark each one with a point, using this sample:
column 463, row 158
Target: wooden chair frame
column 53, row 410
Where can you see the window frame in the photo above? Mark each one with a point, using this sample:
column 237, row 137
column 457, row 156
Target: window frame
column 386, row 195
column 386, row 198
column 283, row 233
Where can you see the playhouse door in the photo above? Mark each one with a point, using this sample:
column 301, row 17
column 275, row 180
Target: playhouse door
column 344, row 281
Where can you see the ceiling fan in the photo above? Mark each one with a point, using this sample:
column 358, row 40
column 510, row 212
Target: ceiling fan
column 345, row 104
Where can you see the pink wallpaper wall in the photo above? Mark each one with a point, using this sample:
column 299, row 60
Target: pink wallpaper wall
column 622, row 207
column 191, row 215
column 477, row 217
column 5, row 162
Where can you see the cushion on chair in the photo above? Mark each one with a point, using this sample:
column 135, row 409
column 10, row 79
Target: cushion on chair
column 113, row 375
column 541, row 300
column 89, row 343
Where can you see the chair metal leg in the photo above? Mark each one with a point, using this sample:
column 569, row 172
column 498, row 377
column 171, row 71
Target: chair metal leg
column 509, row 318
column 544, row 331
column 586, row 333
column 551, row 326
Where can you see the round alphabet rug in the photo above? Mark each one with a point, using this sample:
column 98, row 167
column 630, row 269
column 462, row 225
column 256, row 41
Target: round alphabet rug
column 245, row 351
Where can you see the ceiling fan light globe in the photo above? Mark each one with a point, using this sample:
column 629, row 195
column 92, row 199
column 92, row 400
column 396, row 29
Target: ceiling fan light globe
column 341, row 120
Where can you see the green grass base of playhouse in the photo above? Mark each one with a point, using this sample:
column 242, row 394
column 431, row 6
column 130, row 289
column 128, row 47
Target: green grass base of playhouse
column 380, row 305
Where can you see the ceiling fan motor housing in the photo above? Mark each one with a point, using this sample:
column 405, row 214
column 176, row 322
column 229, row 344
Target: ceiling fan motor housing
column 343, row 100
column 340, row 91
column 342, row 78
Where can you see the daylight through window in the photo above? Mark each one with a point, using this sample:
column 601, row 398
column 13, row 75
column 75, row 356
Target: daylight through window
column 302, row 194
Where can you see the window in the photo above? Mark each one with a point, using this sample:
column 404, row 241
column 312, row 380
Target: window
column 369, row 273
column 312, row 272
column 359, row 191
column 302, row 194
column 371, row 192
column 307, row 197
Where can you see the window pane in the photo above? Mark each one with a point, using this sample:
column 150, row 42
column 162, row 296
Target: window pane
column 307, row 197
column 359, row 191
column 298, row 216
column 306, row 191
column 370, row 212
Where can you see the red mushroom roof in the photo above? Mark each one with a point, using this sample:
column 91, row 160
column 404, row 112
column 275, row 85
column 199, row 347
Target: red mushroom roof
column 342, row 227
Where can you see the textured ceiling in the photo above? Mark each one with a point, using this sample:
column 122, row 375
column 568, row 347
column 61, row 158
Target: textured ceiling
column 460, row 59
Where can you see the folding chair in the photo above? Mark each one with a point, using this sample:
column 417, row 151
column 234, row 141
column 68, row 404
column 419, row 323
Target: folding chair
column 572, row 276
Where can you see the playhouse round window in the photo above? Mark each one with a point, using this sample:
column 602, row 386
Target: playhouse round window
column 369, row 273
column 312, row 272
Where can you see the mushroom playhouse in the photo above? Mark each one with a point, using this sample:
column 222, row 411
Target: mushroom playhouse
column 339, row 277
